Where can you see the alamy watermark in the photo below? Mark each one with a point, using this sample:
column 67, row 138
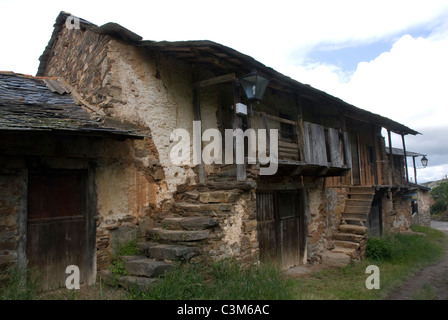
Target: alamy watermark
column 234, row 144
column 72, row 23
column 72, row 281
column 373, row 281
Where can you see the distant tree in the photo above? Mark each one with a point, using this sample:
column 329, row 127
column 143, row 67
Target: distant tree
column 440, row 195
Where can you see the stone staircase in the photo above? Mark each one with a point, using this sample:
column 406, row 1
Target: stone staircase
column 176, row 240
column 352, row 234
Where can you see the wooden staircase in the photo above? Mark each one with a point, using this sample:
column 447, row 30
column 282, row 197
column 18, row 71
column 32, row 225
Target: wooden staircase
column 352, row 234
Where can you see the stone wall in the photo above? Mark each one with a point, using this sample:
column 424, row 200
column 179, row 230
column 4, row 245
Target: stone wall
column 423, row 218
column 323, row 215
column 397, row 213
column 10, row 193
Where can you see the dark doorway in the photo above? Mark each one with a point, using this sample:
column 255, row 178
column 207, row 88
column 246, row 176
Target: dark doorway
column 57, row 224
column 281, row 233
column 374, row 227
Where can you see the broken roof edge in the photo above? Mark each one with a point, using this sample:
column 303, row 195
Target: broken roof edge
column 116, row 30
column 96, row 123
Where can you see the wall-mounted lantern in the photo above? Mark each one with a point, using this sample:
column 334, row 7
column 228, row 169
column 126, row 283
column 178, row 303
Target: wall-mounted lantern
column 424, row 161
column 254, row 85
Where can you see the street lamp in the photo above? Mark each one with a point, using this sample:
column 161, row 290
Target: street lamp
column 254, row 85
column 424, row 161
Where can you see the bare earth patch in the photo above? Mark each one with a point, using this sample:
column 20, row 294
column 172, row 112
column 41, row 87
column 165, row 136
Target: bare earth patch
column 430, row 283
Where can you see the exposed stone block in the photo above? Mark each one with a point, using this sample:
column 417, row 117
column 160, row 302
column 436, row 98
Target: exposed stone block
column 147, row 267
column 171, row 252
column 218, row 197
column 177, row 235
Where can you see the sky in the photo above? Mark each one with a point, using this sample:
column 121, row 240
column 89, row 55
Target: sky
column 388, row 57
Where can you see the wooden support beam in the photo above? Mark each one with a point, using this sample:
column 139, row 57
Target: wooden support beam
column 240, row 168
column 375, row 163
column 269, row 116
column 391, row 156
column 221, row 79
column 415, row 170
column 405, row 158
column 300, row 130
column 197, row 117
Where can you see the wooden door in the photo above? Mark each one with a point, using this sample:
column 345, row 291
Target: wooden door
column 56, row 224
column 356, row 166
column 289, row 228
column 267, row 227
column 280, row 229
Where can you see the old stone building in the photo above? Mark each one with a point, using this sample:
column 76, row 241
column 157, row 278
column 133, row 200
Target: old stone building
column 332, row 182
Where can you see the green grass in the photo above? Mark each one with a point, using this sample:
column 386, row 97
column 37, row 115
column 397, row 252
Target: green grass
column 225, row 280
column 19, row 284
column 405, row 255
column 397, row 257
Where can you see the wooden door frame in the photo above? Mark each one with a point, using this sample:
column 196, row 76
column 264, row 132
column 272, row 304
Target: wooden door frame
column 90, row 213
column 300, row 216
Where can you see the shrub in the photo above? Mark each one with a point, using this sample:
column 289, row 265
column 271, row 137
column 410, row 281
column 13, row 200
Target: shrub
column 438, row 206
column 379, row 249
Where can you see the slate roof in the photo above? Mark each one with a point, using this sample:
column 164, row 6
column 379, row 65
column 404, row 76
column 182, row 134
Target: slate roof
column 30, row 103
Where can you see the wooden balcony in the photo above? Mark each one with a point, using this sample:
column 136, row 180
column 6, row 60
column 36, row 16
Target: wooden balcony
column 316, row 149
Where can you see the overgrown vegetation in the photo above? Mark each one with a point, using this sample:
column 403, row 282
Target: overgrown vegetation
column 440, row 196
column 117, row 267
column 19, row 284
column 397, row 257
column 225, row 280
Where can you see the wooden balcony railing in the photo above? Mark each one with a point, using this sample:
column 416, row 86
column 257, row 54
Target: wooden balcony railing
column 309, row 144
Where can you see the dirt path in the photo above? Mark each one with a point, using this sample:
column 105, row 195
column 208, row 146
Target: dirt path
column 429, row 283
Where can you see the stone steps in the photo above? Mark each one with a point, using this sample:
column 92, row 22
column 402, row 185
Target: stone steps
column 348, row 251
column 354, row 217
column 160, row 235
column 146, row 267
column 357, row 209
column 204, row 208
column 354, row 229
column 188, row 223
column 346, row 236
column 346, row 244
column 352, row 232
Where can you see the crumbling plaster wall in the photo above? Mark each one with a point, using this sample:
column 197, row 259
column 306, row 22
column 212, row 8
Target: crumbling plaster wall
column 424, row 206
column 397, row 213
column 139, row 185
column 323, row 216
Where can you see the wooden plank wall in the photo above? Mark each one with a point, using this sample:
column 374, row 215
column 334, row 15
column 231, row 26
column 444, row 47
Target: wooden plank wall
column 372, row 173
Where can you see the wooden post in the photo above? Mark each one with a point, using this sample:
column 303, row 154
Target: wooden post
column 375, row 163
column 91, row 221
column 391, row 156
column 405, row 158
column 240, row 168
column 197, row 117
column 415, row 170
column 22, row 220
column 300, row 130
